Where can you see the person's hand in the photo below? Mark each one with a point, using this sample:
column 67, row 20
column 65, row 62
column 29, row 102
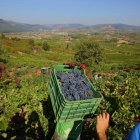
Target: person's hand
column 102, row 123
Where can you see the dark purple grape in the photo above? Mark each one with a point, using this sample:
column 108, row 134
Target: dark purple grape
column 74, row 85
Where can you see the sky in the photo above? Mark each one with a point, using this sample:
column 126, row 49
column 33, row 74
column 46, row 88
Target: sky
column 87, row 12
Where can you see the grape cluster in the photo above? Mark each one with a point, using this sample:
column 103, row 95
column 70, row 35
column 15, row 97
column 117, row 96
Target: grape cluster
column 74, row 85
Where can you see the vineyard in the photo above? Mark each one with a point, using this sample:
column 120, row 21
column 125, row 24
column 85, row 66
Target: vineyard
column 25, row 107
column 121, row 100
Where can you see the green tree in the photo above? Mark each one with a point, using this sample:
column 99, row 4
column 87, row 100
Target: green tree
column 31, row 42
column 67, row 47
column 45, row 46
column 89, row 53
column 0, row 48
column 114, row 40
column 15, row 39
column 2, row 36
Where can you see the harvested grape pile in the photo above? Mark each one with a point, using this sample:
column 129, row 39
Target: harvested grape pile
column 74, row 85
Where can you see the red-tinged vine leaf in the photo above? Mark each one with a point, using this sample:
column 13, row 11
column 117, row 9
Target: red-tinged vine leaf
column 8, row 120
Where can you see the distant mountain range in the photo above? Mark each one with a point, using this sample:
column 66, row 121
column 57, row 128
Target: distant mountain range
column 115, row 27
column 10, row 26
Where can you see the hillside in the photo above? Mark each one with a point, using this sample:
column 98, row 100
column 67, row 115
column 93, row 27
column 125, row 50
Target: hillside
column 114, row 27
column 10, row 26
column 26, row 111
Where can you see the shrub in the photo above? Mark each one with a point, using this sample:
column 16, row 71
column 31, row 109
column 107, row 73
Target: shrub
column 3, row 36
column 45, row 46
column 67, row 47
column 15, row 39
column 31, row 42
column 114, row 40
column 39, row 43
column 0, row 49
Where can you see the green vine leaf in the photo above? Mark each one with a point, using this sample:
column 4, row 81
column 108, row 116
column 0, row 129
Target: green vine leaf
column 3, row 125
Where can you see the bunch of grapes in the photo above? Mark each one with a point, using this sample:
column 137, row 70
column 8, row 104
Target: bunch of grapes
column 74, row 85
